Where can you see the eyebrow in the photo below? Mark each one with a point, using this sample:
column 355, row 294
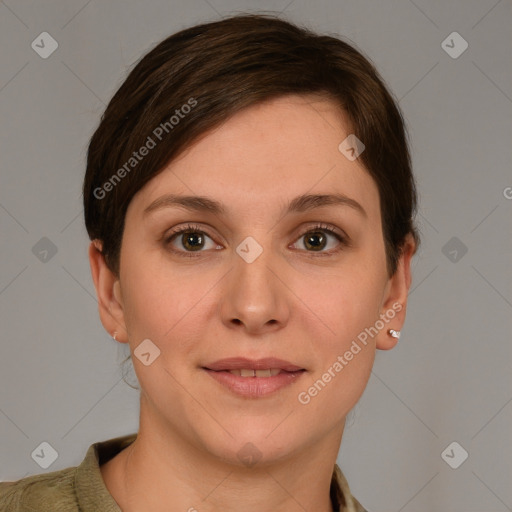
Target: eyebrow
column 300, row 203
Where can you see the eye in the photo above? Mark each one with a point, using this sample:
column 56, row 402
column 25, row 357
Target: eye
column 191, row 239
column 316, row 239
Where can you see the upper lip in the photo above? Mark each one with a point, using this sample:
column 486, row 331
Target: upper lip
column 242, row 363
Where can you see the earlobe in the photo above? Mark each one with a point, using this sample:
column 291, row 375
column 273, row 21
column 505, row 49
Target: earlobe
column 395, row 300
column 108, row 293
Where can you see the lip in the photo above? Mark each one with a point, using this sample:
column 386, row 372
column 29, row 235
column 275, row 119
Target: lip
column 253, row 387
column 239, row 363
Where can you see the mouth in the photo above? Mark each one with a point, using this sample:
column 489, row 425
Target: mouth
column 254, row 365
column 248, row 372
column 254, row 378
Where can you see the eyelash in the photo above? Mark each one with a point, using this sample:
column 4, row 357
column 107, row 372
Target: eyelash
column 196, row 229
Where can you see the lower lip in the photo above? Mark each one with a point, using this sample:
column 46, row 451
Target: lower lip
column 254, row 387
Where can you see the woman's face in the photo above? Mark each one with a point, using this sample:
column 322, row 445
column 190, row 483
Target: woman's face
column 257, row 280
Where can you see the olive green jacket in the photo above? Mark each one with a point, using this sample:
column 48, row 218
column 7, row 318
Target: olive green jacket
column 82, row 489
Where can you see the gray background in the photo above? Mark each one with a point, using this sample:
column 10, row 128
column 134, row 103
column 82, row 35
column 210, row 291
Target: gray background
column 449, row 379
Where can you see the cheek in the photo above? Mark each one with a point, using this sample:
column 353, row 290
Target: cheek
column 341, row 303
column 347, row 303
column 344, row 353
column 162, row 302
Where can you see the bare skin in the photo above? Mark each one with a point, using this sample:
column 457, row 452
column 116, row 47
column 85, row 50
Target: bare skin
column 289, row 303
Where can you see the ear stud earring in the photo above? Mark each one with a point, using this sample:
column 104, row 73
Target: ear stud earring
column 114, row 335
column 395, row 334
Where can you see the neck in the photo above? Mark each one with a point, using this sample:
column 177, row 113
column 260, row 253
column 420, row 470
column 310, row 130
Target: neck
column 164, row 471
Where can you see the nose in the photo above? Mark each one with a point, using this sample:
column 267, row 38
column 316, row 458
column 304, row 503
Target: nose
column 255, row 299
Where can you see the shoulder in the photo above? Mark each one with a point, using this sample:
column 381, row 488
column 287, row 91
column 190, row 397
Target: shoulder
column 48, row 492
column 347, row 501
column 358, row 506
column 73, row 489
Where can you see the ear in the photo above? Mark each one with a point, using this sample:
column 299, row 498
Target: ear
column 394, row 302
column 108, row 291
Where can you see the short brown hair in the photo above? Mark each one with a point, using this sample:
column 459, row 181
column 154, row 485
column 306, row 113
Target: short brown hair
column 217, row 69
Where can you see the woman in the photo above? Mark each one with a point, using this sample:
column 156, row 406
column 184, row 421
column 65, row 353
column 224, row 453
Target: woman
column 250, row 203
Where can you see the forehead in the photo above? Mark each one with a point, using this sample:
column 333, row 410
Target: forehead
column 266, row 155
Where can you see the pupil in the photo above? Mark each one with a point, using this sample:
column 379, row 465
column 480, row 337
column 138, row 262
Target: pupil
column 310, row 240
column 189, row 240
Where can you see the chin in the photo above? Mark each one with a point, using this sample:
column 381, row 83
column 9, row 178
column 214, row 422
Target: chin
column 257, row 445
